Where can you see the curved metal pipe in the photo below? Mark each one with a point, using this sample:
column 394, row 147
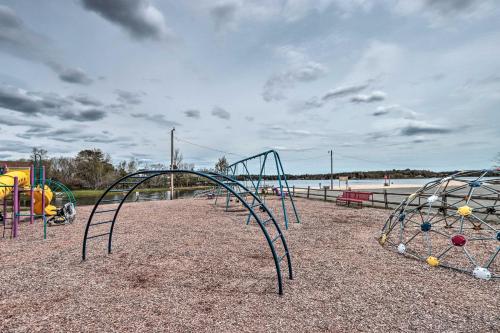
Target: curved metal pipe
column 211, row 177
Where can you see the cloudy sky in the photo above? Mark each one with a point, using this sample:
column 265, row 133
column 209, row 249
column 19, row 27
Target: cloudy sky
column 386, row 84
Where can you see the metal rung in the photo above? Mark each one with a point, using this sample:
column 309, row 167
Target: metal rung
column 276, row 238
column 282, row 257
column 105, row 211
column 95, row 236
column 128, row 183
column 120, row 190
column 139, row 177
column 104, row 222
column 267, row 221
column 111, row 200
column 256, row 205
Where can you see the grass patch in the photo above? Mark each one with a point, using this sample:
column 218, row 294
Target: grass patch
column 96, row 193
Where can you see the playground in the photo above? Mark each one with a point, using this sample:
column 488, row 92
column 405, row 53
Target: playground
column 184, row 265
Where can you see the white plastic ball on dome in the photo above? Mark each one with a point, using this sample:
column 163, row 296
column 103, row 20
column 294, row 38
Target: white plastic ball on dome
column 401, row 248
column 481, row 273
column 432, row 198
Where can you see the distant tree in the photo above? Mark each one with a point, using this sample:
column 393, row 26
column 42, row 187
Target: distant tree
column 177, row 158
column 221, row 165
column 63, row 169
column 496, row 161
column 132, row 165
column 94, row 168
column 38, row 151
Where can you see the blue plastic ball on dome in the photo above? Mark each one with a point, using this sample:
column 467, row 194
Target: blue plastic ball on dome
column 426, row 226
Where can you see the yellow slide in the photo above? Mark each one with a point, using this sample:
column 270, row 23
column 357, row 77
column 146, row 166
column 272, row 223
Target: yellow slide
column 7, row 186
column 37, row 194
column 8, row 180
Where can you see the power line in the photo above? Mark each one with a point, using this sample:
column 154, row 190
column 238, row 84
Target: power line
column 311, row 158
column 208, row 148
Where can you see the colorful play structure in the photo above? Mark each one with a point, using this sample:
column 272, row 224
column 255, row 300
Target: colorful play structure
column 105, row 213
column 26, row 181
column 451, row 222
column 256, row 181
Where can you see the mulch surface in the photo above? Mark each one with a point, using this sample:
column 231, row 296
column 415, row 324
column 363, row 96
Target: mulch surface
column 185, row 265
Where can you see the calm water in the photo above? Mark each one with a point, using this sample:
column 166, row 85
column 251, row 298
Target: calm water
column 142, row 196
column 319, row 183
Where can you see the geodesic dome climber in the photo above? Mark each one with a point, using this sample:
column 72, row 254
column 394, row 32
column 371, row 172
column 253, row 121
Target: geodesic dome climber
column 452, row 222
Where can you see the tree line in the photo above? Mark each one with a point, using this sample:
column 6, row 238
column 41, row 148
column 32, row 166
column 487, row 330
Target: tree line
column 93, row 169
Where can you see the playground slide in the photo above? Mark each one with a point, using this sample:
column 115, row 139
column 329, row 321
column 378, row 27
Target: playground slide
column 7, row 186
column 47, row 192
column 7, row 182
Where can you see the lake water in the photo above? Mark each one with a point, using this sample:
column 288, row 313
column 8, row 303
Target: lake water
column 314, row 183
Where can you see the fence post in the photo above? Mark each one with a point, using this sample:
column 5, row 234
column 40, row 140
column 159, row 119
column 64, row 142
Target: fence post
column 325, row 193
column 385, row 199
column 293, row 190
column 308, row 190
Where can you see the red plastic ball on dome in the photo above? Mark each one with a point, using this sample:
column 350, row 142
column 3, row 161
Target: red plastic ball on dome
column 458, row 240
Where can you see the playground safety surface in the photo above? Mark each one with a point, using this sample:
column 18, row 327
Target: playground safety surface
column 184, row 266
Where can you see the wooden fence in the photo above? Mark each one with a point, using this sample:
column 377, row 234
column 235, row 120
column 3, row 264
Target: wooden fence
column 381, row 198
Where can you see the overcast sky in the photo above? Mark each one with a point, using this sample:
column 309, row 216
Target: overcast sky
column 386, row 84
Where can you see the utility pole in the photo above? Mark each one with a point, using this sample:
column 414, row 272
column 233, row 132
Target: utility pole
column 331, row 169
column 172, row 163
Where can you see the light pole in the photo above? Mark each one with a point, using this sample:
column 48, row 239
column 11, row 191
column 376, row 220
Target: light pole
column 331, row 169
column 172, row 163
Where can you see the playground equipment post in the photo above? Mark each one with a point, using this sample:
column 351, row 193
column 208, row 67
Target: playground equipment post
column 172, row 163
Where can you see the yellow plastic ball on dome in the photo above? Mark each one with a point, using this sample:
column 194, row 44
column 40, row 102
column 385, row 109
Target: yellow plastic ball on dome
column 464, row 211
column 433, row 261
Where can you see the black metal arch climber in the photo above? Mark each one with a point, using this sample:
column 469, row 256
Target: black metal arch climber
column 105, row 211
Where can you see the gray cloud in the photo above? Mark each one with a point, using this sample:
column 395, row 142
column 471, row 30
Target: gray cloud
column 86, row 115
column 72, row 134
column 343, row 91
column 374, row 96
column 292, row 149
column 86, row 100
column 382, row 112
column 158, row 119
column 318, row 102
column 129, row 97
column 286, row 133
column 138, row 17
column 396, row 110
column 17, row 40
column 36, row 103
column 11, row 121
column 450, row 7
column 74, row 75
column 417, row 129
column 223, row 14
column 192, row 114
column 249, row 118
column 221, row 113
column 276, row 85
column 15, row 146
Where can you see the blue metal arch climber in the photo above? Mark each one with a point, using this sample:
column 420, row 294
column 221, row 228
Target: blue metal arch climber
column 264, row 157
column 105, row 212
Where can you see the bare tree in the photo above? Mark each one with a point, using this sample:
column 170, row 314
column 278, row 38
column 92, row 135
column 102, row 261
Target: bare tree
column 221, row 165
